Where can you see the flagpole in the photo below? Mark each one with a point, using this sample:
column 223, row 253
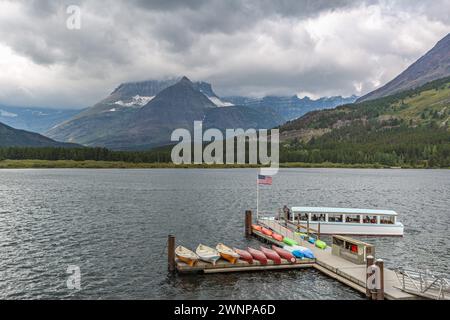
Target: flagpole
column 257, row 197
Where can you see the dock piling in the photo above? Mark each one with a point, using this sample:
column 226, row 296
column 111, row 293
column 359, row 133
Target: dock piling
column 318, row 231
column 369, row 262
column 380, row 293
column 248, row 223
column 171, row 253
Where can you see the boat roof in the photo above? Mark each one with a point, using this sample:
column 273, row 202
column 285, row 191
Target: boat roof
column 344, row 210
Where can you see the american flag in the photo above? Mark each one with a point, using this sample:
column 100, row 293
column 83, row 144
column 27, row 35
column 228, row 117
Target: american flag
column 264, row 179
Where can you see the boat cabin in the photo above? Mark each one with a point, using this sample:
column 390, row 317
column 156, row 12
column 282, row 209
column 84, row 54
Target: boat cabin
column 343, row 215
column 347, row 220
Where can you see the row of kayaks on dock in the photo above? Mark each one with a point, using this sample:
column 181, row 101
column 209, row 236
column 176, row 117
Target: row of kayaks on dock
column 212, row 255
column 290, row 242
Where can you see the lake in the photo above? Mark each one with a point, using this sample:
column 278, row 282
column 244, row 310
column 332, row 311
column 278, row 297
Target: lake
column 113, row 224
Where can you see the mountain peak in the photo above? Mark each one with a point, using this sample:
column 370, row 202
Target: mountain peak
column 185, row 79
column 433, row 65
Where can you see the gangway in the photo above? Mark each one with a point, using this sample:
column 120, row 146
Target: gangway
column 423, row 283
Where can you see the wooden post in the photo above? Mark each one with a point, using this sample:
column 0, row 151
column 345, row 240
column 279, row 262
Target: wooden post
column 307, row 226
column 171, row 252
column 380, row 264
column 318, row 231
column 248, row 223
column 369, row 262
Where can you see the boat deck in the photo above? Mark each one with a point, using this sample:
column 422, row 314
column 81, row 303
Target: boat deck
column 345, row 271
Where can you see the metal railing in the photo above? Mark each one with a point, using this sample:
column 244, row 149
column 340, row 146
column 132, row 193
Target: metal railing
column 424, row 283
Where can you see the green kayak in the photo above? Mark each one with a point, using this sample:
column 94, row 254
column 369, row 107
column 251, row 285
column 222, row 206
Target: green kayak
column 290, row 241
column 320, row 244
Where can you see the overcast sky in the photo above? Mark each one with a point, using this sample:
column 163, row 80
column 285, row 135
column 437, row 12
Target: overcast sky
column 245, row 47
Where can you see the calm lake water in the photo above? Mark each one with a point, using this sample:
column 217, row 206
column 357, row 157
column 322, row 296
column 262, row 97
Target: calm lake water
column 114, row 224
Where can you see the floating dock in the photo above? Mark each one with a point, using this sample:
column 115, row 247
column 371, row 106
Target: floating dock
column 353, row 274
column 347, row 272
column 223, row 266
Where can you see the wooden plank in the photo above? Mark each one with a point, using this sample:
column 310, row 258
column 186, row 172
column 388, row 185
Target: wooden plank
column 259, row 268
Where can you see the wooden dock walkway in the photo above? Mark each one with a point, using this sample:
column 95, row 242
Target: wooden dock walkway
column 345, row 271
column 352, row 274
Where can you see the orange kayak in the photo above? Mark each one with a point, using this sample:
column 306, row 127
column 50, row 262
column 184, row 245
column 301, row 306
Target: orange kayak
column 267, row 232
column 277, row 237
column 256, row 227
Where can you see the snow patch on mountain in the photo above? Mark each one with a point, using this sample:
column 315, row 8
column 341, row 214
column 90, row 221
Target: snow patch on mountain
column 219, row 102
column 136, row 101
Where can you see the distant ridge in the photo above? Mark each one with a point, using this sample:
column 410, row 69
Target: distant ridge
column 10, row 137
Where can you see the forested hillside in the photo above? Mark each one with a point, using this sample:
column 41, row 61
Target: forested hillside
column 410, row 128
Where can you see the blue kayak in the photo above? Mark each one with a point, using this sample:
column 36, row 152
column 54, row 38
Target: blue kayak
column 307, row 253
column 297, row 253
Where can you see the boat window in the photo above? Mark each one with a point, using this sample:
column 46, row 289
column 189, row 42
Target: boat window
column 335, row 217
column 317, row 217
column 387, row 219
column 302, row 216
column 370, row 219
column 354, row 218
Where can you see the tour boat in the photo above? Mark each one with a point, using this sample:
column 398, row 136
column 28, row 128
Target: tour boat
column 271, row 255
column 227, row 253
column 258, row 255
column 186, row 255
column 244, row 255
column 284, row 254
column 207, row 254
column 346, row 221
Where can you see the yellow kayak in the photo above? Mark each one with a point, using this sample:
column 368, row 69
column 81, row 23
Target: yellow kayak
column 227, row 253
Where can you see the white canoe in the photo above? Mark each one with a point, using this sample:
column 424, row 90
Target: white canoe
column 207, row 254
column 186, row 255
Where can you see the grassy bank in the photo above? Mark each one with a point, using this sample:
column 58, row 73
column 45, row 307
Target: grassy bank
column 90, row 164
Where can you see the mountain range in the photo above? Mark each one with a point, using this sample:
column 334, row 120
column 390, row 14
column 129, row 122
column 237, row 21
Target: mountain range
column 143, row 115
column 291, row 107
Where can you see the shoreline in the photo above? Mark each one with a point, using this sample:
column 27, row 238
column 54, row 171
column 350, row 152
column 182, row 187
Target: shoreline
column 92, row 164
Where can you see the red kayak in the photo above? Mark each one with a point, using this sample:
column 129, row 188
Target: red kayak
column 267, row 231
column 258, row 255
column 284, row 254
column 271, row 255
column 277, row 237
column 244, row 255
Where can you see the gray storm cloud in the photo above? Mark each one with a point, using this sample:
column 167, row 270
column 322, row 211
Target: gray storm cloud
column 243, row 47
